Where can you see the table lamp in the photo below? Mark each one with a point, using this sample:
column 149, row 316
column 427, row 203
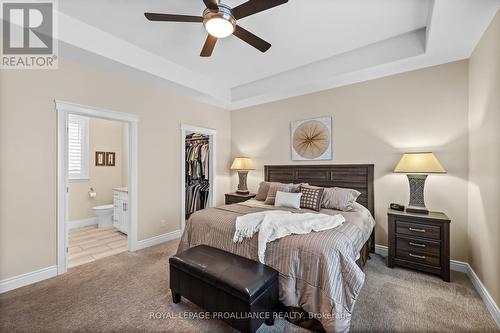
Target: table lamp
column 242, row 165
column 417, row 166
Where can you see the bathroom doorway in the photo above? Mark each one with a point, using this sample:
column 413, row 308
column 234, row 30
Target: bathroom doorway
column 97, row 184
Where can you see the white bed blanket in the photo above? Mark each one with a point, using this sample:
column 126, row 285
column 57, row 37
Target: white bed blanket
column 275, row 224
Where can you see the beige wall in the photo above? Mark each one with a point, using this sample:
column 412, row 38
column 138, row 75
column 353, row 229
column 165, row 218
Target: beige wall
column 107, row 136
column 28, row 151
column 484, row 159
column 374, row 122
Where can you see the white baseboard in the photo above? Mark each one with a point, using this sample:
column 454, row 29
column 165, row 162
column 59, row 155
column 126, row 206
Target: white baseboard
column 381, row 249
column 142, row 244
column 460, row 266
column 27, row 278
column 485, row 295
column 81, row 223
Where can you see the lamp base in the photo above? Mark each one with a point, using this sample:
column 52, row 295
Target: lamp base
column 242, row 185
column 417, row 203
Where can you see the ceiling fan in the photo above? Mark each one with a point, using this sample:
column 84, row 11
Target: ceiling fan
column 220, row 21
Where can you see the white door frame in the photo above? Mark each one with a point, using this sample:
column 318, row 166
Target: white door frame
column 63, row 109
column 212, row 136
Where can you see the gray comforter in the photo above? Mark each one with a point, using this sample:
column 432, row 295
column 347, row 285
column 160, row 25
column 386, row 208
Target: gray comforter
column 318, row 271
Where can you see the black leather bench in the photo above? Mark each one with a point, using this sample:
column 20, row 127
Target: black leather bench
column 240, row 291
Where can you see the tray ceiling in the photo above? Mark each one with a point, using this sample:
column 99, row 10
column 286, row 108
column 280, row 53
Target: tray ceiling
column 316, row 44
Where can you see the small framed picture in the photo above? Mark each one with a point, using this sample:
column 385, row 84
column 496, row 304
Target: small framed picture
column 110, row 159
column 100, row 158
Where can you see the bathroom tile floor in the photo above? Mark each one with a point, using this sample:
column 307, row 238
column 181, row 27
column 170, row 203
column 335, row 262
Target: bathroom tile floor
column 90, row 243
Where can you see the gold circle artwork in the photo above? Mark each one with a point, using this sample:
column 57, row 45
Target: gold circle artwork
column 311, row 139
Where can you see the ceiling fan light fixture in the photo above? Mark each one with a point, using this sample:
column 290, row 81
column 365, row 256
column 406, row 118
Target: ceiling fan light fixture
column 219, row 23
column 219, row 27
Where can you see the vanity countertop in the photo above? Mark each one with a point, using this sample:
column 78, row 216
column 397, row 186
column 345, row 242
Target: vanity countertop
column 121, row 189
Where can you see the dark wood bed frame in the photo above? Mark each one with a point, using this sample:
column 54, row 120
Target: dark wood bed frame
column 355, row 176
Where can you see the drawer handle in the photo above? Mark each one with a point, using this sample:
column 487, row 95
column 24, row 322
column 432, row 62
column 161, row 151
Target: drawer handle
column 417, row 230
column 416, row 256
column 416, row 244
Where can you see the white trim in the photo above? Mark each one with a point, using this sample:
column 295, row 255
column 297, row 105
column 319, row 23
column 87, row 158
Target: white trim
column 460, row 266
column 63, row 109
column 485, row 295
column 133, row 184
column 212, row 134
column 62, row 191
column 27, row 278
column 91, row 111
column 381, row 249
column 75, row 224
column 142, row 244
column 463, row 267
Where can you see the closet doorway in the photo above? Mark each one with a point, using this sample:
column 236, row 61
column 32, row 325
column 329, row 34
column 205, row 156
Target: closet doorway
column 198, row 151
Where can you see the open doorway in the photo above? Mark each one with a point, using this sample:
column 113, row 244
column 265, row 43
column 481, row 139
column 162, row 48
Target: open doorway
column 97, row 184
column 97, row 188
column 198, row 151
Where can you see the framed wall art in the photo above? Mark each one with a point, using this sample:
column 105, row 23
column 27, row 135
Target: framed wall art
column 110, row 158
column 100, row 158
column 311, row 139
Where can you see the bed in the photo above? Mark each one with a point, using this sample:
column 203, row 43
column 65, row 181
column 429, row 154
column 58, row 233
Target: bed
column 321, row 272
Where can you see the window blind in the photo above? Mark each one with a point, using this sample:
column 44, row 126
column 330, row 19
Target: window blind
column 77, row 147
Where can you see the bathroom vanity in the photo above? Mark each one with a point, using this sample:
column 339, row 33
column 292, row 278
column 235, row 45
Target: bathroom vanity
column 120, row 211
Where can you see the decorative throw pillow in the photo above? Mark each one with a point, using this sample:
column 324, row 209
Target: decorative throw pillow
column 311, row 197
column 265, row 186
column 339, row 198
column 285, row 199
column 263, row 190
column 296, row 187
column 271, row 194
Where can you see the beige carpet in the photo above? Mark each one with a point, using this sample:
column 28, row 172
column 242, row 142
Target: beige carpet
column 121, row 292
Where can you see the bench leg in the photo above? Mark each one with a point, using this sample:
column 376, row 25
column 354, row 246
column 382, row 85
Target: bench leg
column 176, row 297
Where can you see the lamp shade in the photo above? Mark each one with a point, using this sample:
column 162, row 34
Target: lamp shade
column 419, row 163
column 242, row 163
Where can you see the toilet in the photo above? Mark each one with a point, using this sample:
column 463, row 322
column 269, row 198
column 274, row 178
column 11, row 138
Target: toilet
column 104, row 215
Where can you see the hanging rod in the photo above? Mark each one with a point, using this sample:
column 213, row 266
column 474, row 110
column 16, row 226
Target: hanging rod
column 197, row 139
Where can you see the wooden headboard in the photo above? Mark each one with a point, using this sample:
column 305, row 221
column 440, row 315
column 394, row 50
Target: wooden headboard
column 355, row 176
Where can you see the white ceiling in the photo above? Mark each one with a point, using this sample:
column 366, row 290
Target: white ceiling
column 316, row 44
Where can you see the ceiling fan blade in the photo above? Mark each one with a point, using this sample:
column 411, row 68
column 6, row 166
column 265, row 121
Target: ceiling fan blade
column 211, row 4
column 251, row 39
column 172, row 17
column 255, row 6
column 209, row 46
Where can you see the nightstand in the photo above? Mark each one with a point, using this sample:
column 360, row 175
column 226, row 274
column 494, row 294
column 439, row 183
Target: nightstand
column 232, row 198
column 420, row 242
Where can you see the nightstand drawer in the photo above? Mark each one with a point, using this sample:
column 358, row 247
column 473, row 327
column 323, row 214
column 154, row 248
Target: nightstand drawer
column 418, row 258
column 418, row 230
column 425, row 247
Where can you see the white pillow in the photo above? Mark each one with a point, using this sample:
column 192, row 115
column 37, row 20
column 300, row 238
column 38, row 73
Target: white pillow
column 286, row 199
